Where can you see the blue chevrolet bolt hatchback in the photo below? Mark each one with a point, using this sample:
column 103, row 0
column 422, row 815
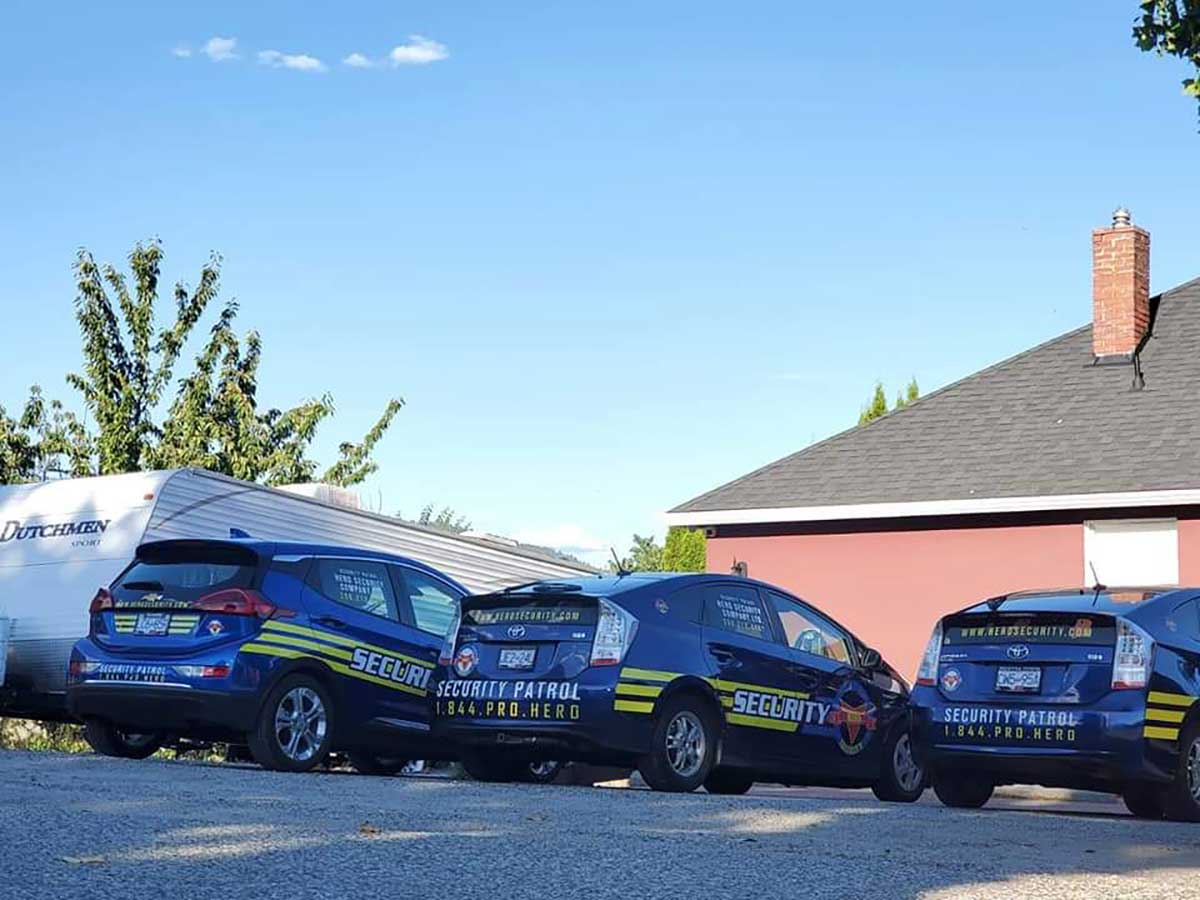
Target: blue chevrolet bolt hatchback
column 1091, row 689
column 293, row 649
column 694, row 679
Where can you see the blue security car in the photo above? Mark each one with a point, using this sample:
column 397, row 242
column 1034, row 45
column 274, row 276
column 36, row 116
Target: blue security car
column 695, row 679
column 1091, row 689
column 293, row 649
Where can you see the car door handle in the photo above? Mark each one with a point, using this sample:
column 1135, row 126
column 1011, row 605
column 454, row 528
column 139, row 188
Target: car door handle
column 721, row 654
column 331, row 621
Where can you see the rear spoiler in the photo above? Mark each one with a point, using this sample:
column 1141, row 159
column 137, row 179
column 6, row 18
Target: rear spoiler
column 198, row 550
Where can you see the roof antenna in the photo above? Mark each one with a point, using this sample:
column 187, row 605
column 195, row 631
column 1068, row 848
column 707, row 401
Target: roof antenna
column 740, row 569
column 1098, row 587
column 617, row 561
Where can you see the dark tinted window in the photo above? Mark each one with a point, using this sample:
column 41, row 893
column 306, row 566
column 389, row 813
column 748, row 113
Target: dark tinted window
column 433, row 601
column 804, row 630
column 358, row 584
column 738, row 609
column 164, row 583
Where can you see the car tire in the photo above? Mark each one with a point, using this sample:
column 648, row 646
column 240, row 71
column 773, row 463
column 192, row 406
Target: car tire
column 545, row 771
column 1145, row 801
column 962, row 791
column 728, row 782
column 108, row 740
column 902, row 779
column 294, row 732
column 493, row 770
column 683, row 746
column 1181, row 799
column 366, row 763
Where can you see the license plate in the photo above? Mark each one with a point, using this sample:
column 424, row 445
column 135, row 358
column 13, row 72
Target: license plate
column 152, row 623
column 1018, row 679
column 517, row 658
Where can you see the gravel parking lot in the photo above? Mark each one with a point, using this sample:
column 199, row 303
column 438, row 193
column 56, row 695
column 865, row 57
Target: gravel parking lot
column 89, row 827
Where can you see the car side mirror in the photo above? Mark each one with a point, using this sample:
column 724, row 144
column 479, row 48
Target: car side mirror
column 869, row 659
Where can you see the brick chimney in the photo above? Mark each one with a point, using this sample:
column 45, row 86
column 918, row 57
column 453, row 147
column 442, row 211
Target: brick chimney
column 1120, row 286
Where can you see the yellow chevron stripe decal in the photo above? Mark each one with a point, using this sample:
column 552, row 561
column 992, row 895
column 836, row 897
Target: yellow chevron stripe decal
column 289, row 641
column 1160, row 733
column 289, row 653
column 1165, row 715
column 633, row 706
column 756, row 722
column 731, row 686
column 300, row 630
column 648, row 674
column 1162, row 698
column 638, row 690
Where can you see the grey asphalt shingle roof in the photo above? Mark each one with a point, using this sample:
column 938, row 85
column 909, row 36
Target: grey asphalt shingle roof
column 1047, row 421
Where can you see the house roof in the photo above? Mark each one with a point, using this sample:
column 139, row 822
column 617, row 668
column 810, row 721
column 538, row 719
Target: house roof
column 1046, row 423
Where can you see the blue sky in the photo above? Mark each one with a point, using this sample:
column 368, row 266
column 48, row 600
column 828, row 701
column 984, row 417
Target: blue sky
column 612, row 255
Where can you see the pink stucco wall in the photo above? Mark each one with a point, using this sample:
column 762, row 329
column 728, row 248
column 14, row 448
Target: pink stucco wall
column 889, row 587
column 1189, row 551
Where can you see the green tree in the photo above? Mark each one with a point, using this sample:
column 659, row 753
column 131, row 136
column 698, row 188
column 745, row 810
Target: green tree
column 685, row 550
column 445, row 519
column 44, row 440
column 910, row 393
column 1172, row 28
column 214, row 420
column 876, row 407
column 645, row 555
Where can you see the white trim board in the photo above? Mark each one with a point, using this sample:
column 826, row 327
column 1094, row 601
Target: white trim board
column 970, row 506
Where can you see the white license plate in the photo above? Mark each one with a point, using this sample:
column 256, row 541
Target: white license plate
column 1018, row 679
column 152, row 623
column 517, row 658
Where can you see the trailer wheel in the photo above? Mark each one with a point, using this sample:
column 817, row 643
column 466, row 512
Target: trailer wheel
column 108, row 740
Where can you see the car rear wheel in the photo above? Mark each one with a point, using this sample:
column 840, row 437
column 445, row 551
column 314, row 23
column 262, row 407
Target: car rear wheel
column 1144, row 800
column 1182, row 795
column 962, row 791
column 374, row 764
column 295, row 726
column 728, row 781
column 683, row 747
column 109, row 740
column 491, row 769
column 543, row 771
column 902, row 779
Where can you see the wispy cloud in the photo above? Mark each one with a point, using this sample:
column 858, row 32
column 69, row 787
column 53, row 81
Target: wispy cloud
column 357, row 61
column 569, row 538
column 300, row 62
column 182, row 51
column 419, row 51
column 220, row 49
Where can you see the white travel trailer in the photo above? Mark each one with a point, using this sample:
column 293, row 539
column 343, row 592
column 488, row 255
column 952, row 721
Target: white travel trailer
column 61, row 540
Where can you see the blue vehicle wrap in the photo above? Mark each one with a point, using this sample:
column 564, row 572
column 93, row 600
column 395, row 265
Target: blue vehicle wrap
column 174, row 648
column 789, row 688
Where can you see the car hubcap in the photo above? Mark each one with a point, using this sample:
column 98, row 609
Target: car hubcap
column 1193, row 769
column 908, row 773
column 685, row 744
column 544, row 769
column 300, row 724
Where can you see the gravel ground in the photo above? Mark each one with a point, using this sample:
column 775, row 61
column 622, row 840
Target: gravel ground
column 91, row 828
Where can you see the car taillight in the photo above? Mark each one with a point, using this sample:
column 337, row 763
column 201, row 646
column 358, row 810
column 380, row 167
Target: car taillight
column 1132, row 659
column 218, row 671
column 102, row 601
column 446, row 656
column 928, row 672
column 240, row 602
column 615, row 629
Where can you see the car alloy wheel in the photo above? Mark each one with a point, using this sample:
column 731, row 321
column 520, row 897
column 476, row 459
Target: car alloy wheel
column 300, row 723
column 686, row 744
column 1193, row 769
column 908, row 774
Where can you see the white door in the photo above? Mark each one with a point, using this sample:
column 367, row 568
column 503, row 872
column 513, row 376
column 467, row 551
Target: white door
column 1131, row 552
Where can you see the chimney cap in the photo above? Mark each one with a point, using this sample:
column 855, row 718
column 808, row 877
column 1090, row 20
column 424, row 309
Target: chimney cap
column 1122, row 217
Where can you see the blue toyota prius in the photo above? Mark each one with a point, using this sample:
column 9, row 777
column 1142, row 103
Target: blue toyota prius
column 695, row 679
column 293, row 649
column 1090, row 689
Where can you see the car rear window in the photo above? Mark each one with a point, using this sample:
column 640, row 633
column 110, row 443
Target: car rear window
column 164, row 583
column 1030, row 628
column 551, row 609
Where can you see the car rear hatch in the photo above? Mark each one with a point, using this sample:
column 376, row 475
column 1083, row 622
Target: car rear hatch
column 1027, row 657
column 545, row 632
column 179, row 598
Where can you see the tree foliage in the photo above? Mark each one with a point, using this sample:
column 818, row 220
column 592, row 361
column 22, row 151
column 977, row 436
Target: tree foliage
column 1172, row 28
column 686, row 550
column 44, row 440
column 645, row 555
column 878, row 405
column 445, row 519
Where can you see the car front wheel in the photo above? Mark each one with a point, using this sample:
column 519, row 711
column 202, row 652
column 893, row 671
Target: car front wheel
column 109, row 740
column 683, row 747
column 962, row 791
column 902, row 779
column 295, row 726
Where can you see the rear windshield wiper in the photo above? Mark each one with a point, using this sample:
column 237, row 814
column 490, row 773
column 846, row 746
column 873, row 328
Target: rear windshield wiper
column 142, row 586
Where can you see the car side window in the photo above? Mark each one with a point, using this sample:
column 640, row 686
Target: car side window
column 806, row 631
column 433, row 602
column 359, row 584
column 738, row 609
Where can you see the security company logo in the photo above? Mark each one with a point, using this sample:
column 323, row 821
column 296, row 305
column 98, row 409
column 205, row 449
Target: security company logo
column 389, row 668
column 855, row 720
column 516, row 631
column 465, row 661
column 661, row 605
column 1018, row 651
column 951, row 680
column 215, row 627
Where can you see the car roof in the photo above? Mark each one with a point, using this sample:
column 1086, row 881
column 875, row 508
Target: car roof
column 614, row 585
column 1112, row 600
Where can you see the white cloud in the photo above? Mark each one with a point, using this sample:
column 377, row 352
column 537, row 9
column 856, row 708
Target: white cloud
column 300, row 62
column 181, row 52
column 219, row 49
column 357, row 61
column 568, row 538
column 419, row 51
